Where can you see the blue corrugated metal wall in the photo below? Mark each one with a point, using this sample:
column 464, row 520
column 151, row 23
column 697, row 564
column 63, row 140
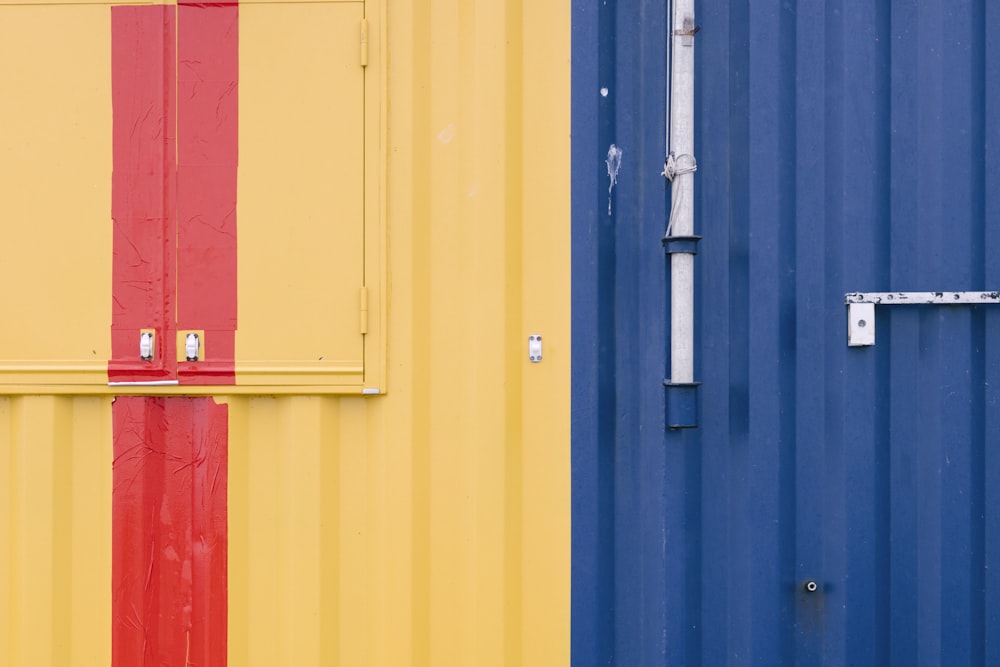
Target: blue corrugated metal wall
column 842, row 146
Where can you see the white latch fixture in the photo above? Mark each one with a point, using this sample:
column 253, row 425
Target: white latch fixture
column 146, row 345
column 535, row 348
column 192, row 347
column 861, row 308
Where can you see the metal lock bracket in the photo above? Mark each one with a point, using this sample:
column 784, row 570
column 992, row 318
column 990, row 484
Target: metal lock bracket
column 861, row 308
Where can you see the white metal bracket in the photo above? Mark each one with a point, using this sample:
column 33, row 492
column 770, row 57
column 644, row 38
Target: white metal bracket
column 860, row 324
column 861, row 308
column 535, row 348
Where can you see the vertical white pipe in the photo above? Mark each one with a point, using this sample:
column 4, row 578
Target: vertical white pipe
column 682, row 192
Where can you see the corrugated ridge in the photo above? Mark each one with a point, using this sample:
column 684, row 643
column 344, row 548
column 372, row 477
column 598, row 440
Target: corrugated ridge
column 55, row 531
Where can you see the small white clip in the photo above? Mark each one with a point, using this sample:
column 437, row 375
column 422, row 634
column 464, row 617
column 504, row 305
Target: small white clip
column 146, row 345
column 191, row 347
column 535, row 348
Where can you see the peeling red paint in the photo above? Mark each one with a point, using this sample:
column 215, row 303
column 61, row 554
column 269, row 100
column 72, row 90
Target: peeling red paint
column 169, row 532
column 143, row 190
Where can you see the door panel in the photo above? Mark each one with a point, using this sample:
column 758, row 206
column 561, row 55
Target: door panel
column 55, row 189
column 301, row 191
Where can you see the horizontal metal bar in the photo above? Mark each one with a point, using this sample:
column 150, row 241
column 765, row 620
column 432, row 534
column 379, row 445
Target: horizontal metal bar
column 145, row 383
column 910, row 298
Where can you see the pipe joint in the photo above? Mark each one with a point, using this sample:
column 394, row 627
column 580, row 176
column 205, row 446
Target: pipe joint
column 682, row 404
column 681, row 244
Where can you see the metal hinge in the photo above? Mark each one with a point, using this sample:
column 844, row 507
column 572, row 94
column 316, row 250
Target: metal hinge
column 363, row 319
column 364, row 42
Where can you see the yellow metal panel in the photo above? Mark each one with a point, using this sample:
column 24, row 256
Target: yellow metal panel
column 544, row 391
column 429, row 526
column 256, row 2
column 442, row 509
column 55, row 531
column 484, row 187
column 55, row 193
column 105, row 3
column 301, row 194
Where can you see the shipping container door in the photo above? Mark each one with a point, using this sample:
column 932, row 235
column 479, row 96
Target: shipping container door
column 206, row 170
column 302, row 193
column 836, row 505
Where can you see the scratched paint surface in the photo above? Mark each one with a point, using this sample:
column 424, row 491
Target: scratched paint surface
column 169, row 531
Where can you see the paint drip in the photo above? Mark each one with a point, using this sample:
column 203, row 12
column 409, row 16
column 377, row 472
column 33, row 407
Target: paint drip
column 614, row 164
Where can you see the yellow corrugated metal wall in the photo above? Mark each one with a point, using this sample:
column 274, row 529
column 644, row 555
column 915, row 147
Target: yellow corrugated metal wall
column 55, row 531
column 428, row 526
column 431, row 526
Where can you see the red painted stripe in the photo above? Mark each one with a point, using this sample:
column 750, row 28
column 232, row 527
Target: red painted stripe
column 143, row 189
column 170, row 471
column 169, row 532
column 208, row 72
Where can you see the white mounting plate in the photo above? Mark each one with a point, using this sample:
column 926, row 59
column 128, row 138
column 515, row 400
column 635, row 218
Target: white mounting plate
column 535, row 348
column 860, row 324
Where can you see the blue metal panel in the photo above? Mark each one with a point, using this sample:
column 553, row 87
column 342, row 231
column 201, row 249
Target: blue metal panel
column 848, row 146
column 619, row 460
